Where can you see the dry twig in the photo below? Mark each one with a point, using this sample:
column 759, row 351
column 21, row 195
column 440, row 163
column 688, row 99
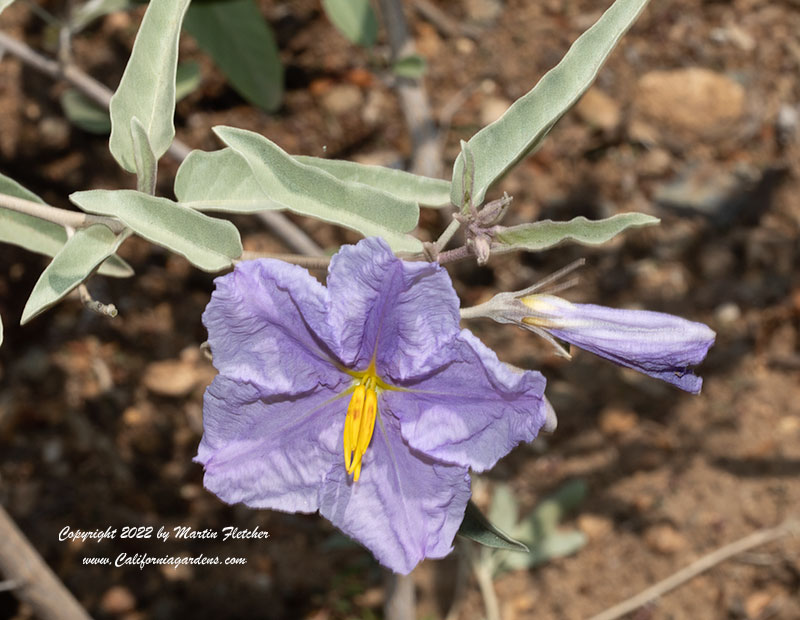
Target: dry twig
column 426, row 157
column 31, row 578
column 761, row 537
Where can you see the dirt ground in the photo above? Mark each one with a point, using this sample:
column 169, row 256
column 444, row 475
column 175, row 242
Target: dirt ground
column 694, row 119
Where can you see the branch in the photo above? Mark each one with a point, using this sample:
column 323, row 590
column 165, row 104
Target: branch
column 35, row 583
column 755, row 539
column 444, row 24
column 62, row 217
column 459, row 253
column 283, row 228
column 310, row 262
column 400, row 603
column 290, row 234
column 448, row 233
column 426, row 157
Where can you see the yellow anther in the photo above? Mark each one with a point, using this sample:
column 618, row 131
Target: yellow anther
column 368, row 423
column 356, row 412
column 360, row 424
column 352, row 424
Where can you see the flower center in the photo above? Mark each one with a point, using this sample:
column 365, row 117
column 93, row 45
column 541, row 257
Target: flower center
column 360, row 421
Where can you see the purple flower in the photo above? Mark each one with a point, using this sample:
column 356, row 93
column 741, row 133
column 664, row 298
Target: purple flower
column 363, row 400
column 660, row 345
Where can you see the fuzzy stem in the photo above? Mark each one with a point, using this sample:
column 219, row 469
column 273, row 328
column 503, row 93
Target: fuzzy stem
column 459, row 253
column 309, row 262
column 62, row 217
column 448, row 233
column 400, row 603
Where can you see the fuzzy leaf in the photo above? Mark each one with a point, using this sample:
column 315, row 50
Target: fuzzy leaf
column 477, row 527
column 145, row 160
column 76, row 261
column 237, row 37
column 41, row 236
column 311, row 191
column 210, row 244
column 355, row 19
column 547, row 233
column 403, row 185
column 147, row 88
column 467, row 179
column 499, row 146
column 220, row 181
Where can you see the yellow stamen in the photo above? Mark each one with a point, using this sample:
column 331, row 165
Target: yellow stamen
column 352, row 423
column 359, row 424
column 368, row 425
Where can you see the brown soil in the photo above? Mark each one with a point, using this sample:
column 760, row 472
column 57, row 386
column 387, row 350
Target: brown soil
column 91, row 435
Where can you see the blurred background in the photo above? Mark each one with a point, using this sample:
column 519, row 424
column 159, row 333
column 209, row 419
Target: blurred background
column 694, row 119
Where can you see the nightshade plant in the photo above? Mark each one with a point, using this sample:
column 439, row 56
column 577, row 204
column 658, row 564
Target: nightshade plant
column 363, row 400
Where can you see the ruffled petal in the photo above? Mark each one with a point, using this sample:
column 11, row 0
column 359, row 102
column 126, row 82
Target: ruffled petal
column 267, row 323
column 405, row 507
column 401, row 312
column 267, row 451
column 473, row 410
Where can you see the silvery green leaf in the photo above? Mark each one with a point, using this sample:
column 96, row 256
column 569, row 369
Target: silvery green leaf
column 4, row 4
column 403, row 185
column 187, row 79
column 504, row 510
column 521, row 129
column 220, row 181
column 84, row 113
column 24, row 230
column 41, row 236
column 355, row 19
column 237, row 37
column 311, row 191
column 477, row 527
column 206, row 242
column 412, row 66
column 467, row 178
column 85, row 13
column 147, row 88
column 146, row 165
column 80, row 256
column 547, row 233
